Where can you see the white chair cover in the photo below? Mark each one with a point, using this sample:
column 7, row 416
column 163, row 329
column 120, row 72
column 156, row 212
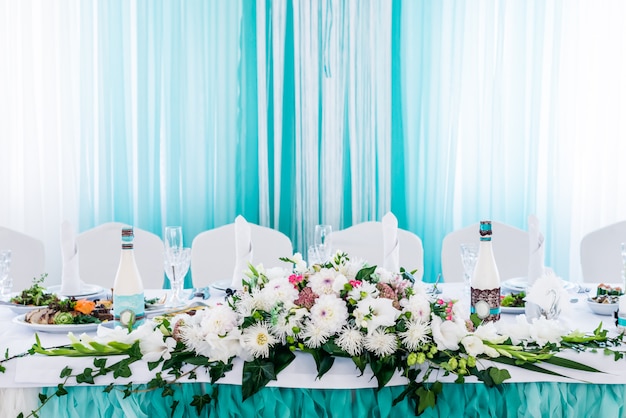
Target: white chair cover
column 28, row 257
column 600, row 254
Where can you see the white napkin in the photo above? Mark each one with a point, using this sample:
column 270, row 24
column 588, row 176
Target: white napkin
column 391, row 247
column 548, row 295
column 243, row 250
column 70, row 279
column 536, row 250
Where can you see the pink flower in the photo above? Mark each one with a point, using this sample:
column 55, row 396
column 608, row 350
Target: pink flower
column 355, row 283
column 294, row 279
column 440, row 302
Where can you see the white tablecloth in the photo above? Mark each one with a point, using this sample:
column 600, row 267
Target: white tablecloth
column 38, row 371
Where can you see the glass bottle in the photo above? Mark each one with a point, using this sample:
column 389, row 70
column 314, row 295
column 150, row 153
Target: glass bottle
column 128, row 296
column 485, row 288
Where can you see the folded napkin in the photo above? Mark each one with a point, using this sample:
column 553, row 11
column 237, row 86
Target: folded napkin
column 547, row 296
column 70, row 278
column 391, row 247
column 243, row 250
column 536, row 250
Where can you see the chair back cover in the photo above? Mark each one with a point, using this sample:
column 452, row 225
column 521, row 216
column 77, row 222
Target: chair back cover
column 213, row 252
column 28, row 257
column 100, row 248
column 365, row 240
column 510, row 249
column 600, row 254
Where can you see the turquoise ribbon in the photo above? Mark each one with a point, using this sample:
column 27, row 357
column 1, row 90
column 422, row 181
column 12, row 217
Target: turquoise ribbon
column 621, row 321
column 492, row 311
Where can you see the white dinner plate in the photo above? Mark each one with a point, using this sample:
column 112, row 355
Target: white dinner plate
column 85, row 291
column 65, row 328
column 222, row 285
column 519, row 284
column 512, row 310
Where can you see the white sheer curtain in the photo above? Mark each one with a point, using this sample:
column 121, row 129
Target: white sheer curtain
column 295, row 113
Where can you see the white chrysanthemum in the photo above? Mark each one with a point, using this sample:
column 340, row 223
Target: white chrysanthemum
column 245, row 305
column 364, row 291
column 286, row 322
column 447, row 334
column 381, row 343
column 280, row 290
column 416, row 335
column 322, row 282
column 330, row 313
column 351, row 268
column 372, row 313
column 274, row 273
column 350, row 340
column 257, row 340
column 192, row 336
column 314, row 335
column 219, row 320
column 419, row 307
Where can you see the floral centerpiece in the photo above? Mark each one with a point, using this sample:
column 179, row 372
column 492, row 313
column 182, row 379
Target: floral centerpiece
column 343, row 308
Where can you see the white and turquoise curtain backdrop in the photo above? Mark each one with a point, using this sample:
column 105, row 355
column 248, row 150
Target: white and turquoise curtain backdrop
column 294, row 113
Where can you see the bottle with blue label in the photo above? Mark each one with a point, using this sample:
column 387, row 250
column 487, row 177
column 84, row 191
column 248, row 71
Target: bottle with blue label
column 486, row 279
column 128, row 296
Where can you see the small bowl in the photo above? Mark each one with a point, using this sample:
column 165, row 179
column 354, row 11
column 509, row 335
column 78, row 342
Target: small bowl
column 602, row 308
column 23, row 309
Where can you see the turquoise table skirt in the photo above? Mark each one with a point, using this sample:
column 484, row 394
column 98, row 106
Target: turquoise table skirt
column 471, row 400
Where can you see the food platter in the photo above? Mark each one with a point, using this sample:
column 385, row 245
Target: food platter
column 54, row 328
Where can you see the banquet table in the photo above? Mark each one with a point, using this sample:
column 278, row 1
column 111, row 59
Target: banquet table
column 297, row 392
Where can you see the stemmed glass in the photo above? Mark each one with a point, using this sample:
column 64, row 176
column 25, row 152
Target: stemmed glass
column 6, row 283
column 176, row 264
column 469, row 255
column 322, row 243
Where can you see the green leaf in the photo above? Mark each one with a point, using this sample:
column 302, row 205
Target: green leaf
column 85, row 377
column 153, row 365
column 167, row 391
column 122, row 369
column 383, row 370
column 498, row 375
column 256, row 374
column 570, row 364
column 199, row 401
column 323, row 361
column 65, row 372
column 109, row 388
column 365, row 273
column 219, row 369
column 42, row 398
column 173, row 407
column 61, row 391
column 425, row 399
column 360, row 362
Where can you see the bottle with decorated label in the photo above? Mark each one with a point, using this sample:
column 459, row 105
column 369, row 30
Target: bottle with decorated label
column 128, row 296
column 485, row 299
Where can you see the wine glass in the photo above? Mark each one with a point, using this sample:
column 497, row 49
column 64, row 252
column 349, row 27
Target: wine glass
column 469, row 255
column 5, row 281
column 173, row 237
column 176, row 267
column 322, row 243
column 174, row 264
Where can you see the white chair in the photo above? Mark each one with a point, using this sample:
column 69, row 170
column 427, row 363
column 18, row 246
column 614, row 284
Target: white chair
column 99, row 251
column 600, row 254
column 213, row 252
column 365, row 240
column 510, row 249
column 28, row 257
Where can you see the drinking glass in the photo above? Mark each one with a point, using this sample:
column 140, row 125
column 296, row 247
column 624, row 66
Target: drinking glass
column 322, row 243
column 176, row 266
column 173, row 237
column 6, row 283
column 469, row 255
